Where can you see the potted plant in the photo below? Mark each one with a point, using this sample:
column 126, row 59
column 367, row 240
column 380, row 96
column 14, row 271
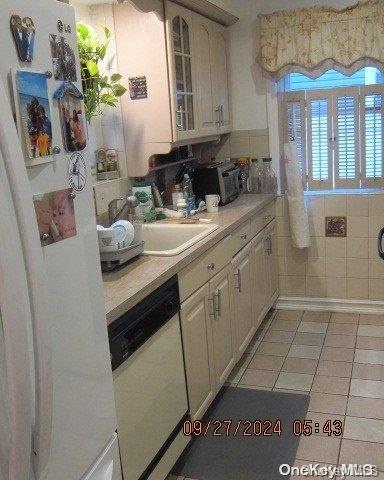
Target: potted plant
column 99, row 89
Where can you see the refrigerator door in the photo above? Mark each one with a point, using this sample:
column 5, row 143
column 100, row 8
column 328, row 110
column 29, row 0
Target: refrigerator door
column 16, row 356
column 75, row 411
column 107, row 467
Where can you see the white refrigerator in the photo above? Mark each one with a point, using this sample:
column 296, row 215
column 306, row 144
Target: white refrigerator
column 57, row 411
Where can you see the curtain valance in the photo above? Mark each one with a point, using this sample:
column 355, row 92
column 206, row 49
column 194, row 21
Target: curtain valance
column 315, row 39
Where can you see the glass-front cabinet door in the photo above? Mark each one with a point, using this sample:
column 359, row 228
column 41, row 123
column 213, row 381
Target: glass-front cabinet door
column 181, row 39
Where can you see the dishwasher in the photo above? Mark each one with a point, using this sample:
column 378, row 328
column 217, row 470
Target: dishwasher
column 149, row 383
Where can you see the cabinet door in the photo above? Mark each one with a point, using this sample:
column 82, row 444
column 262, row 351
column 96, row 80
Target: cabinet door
column 221, row 321
column 180, row 40
column 221, row 78
column 203, row 34
column 259, row 274
column 198, row 351
column 242, row 316
column 270, row 242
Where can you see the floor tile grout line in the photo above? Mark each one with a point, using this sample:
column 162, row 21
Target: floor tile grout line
column 257, row 344
column 286, row 356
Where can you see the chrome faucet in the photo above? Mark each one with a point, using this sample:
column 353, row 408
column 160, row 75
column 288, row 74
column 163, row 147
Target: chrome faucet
column 114, row 213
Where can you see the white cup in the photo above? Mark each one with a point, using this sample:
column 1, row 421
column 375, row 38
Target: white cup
column 212, row 202
column 107, row 239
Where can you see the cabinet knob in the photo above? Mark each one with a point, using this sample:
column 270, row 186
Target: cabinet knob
column 211, row 266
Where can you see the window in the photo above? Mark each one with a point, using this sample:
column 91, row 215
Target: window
column 338, row 131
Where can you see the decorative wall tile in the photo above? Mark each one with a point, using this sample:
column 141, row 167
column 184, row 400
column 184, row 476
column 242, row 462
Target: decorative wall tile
column 335, row 226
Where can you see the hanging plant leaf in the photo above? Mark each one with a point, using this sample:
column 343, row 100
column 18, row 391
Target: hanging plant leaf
column 92, row 68
column 116, row 77
column 119, row 90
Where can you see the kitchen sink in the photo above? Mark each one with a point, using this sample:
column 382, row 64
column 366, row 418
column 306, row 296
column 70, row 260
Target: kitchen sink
column 171, row 239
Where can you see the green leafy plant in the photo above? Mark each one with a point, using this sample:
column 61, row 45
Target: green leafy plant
column 99, row 89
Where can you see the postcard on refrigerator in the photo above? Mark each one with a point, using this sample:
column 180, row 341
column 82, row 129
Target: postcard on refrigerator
column 34, row 114
column 55, row 212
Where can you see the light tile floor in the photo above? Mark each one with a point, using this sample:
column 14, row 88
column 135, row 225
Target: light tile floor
column 336, row 358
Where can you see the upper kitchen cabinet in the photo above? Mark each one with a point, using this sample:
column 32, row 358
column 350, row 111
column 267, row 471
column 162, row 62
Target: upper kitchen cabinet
column 181, row 63
column 220, row 75
column 175, row 61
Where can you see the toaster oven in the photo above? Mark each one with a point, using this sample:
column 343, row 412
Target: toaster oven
column 218, row 178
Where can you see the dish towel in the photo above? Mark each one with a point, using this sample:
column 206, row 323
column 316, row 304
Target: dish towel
column 298, row 216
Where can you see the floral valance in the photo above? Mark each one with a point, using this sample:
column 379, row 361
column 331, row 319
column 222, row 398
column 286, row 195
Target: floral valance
column 315, row 39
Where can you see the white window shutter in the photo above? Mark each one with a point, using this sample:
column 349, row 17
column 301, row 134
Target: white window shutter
column 346, row 138
column 372, row 138
column 294, row 126
column 319, row 121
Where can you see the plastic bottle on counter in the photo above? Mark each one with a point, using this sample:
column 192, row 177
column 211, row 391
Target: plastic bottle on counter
column 177, row 195
column 255, row 176
column 269, row 177
column 188, row 194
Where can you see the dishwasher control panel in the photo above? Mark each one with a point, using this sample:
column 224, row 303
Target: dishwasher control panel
column 130, row 331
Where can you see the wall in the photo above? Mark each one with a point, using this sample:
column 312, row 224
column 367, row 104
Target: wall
column 106, row 130
column 343, row 268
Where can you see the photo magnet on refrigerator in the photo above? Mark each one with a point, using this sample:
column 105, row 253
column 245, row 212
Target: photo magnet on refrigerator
column 55, row 213
column 71, row 116
column 77, row 172
column 33, row 113
column 23, row 31
column 63, row 59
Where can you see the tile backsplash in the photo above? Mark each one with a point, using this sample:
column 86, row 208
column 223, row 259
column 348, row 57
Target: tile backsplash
column 340, row 268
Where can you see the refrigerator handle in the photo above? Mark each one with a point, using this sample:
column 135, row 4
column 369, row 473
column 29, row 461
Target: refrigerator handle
column 380, row 243
column 34, row 261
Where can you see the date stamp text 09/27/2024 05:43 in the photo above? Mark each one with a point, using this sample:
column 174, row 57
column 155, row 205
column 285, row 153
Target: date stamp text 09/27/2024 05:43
column 261, row 428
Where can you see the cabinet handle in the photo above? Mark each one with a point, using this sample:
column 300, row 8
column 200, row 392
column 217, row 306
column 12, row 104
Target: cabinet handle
column 218, row 294
column 217, row 110
column 269, row 243
column 243, row 236
column 180, row 123
column 211, row 266
column 221, row 116
column 216, row 305
column 212, row 300
column 238, row 275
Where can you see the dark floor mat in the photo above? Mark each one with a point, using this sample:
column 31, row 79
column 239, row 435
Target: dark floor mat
column 241, row 457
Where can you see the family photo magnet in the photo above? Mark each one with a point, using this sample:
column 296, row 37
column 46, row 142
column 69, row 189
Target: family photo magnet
column 34, row 114
column 71, row 116
column 55, row 213
column 23, row 31
column 63, row 59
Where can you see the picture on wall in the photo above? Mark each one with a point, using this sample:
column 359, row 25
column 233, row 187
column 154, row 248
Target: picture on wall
column 55, row 212
column 63, row 59
column 23, row 31
column 34, row 112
